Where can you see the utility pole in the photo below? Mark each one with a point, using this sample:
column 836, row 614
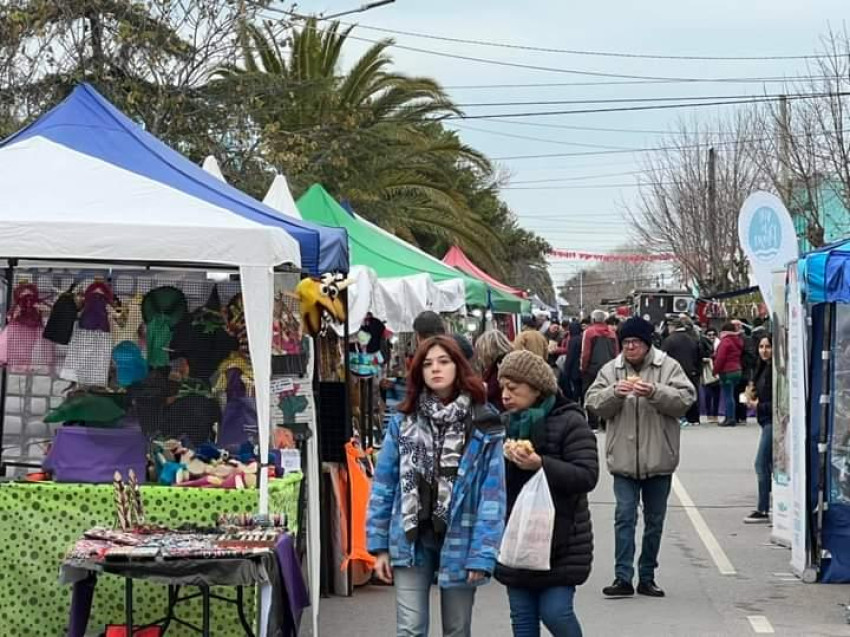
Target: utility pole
column 712, row 214
column 785, row 150
column 581, row 293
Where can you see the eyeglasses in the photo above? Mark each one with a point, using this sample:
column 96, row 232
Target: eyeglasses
column 632, row 342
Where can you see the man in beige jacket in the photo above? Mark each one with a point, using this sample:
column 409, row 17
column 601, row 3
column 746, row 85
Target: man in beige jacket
column 642, row 394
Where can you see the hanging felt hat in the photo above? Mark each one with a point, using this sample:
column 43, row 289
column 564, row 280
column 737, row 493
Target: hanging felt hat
column 130, row 365
column 162, row 309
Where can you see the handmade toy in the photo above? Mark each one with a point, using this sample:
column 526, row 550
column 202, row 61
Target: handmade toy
column 320, row 302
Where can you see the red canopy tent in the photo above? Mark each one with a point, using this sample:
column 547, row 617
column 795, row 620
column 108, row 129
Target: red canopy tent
column 456, row 258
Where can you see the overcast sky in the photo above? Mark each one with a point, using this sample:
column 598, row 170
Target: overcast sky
column 585, row 211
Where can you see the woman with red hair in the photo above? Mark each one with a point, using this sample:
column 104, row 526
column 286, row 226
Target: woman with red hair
column 438, row 496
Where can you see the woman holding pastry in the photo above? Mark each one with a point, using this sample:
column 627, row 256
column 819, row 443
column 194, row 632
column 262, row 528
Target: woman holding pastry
column 546, row 431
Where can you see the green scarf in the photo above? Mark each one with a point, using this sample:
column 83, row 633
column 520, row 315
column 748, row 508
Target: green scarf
column 523, row 423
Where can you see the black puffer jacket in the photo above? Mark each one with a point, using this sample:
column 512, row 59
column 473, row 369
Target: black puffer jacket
column 570, row 461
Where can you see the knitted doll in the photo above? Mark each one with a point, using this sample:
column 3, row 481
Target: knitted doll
column 90, row 350
column 22, row 347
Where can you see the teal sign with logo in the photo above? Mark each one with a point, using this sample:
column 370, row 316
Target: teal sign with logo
column 765, row 235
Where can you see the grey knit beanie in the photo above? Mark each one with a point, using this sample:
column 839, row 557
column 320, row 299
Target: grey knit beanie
column 524, row 367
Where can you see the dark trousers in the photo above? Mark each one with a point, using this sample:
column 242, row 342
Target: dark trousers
column 764, row 467
column 586, row 382
column 653, row 492
column 741, row 408
column 693, row 413
column 712, row 399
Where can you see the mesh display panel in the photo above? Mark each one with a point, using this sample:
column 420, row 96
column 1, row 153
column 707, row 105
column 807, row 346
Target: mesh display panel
column 172, row 346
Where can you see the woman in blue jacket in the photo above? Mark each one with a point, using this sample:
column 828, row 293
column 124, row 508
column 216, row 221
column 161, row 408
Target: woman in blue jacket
column 438, row 496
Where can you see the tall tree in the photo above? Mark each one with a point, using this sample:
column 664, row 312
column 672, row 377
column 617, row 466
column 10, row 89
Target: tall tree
column 679, row 211
column 369, row 134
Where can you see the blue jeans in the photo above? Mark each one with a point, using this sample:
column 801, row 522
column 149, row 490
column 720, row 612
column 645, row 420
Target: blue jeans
column 413, row 596
column 552, row 606
column 628, row 493
column 764, row 467
column 729, row 385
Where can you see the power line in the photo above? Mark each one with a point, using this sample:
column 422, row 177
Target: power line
column 537, row 139
column 540, row 49
column 632, row 109
column 726, row 80
column 503, row 63
column 628, row 100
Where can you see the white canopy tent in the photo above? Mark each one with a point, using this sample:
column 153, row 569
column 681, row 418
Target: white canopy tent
column 116, row 197
column 280, row 198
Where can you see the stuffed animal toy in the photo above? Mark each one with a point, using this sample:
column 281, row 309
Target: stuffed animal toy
column 320, row 302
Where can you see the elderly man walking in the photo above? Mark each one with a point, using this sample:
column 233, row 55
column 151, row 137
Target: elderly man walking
column 642, row 394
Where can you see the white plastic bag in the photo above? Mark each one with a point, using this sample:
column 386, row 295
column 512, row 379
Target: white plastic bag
column 527, row 542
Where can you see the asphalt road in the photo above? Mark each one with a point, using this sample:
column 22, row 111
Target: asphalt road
column 761, row 596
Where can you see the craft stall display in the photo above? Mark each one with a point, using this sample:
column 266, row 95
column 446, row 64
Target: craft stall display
column 156, row 383
column 40, row 521
column 242, row 549
column 156, row 367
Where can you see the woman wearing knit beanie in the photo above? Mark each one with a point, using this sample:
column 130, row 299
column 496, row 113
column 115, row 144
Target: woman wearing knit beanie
column 563, row 445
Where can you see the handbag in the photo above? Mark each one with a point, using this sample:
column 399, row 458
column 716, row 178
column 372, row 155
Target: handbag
column 708, row 377
column 94, row 454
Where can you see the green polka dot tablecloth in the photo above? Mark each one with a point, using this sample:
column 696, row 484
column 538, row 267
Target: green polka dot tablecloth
column 40, row 522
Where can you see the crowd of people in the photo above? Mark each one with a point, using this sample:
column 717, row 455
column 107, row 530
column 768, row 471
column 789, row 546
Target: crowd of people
column 482, row 422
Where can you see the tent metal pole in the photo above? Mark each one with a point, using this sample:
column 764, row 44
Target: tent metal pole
column 346, row 364
column 9, row 277
column 825, row 400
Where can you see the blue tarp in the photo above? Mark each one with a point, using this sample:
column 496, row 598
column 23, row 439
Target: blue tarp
column 87, row 123
column 827, row 274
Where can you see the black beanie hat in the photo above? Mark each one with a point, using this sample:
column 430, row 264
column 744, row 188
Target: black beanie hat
column 636, row 327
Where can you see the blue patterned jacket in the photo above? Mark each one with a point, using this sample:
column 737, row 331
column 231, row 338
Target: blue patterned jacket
column 478, row 507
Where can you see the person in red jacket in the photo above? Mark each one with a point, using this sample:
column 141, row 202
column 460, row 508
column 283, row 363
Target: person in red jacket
column 727, row 365
column 599, row 345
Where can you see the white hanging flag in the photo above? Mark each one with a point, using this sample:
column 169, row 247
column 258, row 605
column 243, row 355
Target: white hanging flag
column 768, row 238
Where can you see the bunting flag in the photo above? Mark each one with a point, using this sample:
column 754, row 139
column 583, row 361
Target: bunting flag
column 628, row 258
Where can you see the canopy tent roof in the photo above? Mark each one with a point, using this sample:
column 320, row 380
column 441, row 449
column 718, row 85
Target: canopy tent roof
column 457, row 258
column 826, row 273
column 280, row 197
column 503, row 298
column 102, row 138
column 387, row 255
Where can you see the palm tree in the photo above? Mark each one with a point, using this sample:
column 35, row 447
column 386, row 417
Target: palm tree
column 370, row 135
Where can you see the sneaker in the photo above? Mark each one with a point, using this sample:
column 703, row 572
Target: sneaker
column 620, row 588
column 757, row 517
column 650, row 589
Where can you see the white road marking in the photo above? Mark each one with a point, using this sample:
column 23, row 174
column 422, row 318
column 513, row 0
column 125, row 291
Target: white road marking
column 760, row 625
column 711, row 544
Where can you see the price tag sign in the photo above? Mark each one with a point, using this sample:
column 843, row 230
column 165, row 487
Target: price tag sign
column 290, row 459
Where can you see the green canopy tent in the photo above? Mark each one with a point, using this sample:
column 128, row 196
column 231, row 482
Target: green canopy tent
column 387, row 255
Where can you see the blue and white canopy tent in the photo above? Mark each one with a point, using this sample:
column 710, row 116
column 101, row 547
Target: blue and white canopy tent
column 84, row 183
column 825, row 277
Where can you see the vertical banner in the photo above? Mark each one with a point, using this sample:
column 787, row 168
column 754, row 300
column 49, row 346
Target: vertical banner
column 768, row 238
column 796, row 434
column 782, row 494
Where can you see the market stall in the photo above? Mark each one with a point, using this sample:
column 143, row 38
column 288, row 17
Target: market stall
column 824, row 275
column 122, row 204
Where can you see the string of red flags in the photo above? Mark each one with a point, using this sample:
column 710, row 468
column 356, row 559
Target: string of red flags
column 594, row 256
